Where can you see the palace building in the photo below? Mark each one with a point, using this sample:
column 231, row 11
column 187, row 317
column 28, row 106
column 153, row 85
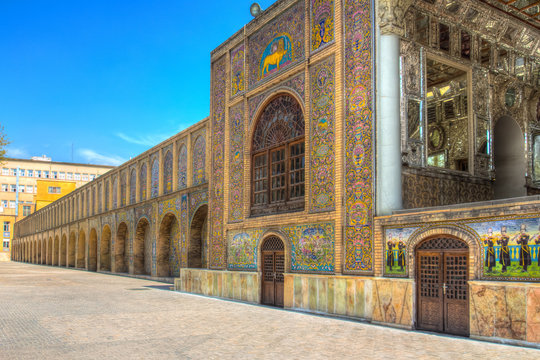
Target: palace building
column 378, row 160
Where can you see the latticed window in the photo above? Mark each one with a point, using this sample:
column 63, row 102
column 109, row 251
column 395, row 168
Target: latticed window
column 278, row 158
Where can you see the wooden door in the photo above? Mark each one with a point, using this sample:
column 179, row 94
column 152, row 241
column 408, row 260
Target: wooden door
column 442, row 290
column 272, row 272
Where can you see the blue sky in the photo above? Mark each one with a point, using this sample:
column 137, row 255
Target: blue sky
column 110, row 77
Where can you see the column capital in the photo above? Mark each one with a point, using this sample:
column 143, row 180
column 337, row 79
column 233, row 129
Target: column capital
column 391, row 16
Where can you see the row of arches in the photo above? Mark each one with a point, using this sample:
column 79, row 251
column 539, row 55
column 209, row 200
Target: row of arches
column 139, row 253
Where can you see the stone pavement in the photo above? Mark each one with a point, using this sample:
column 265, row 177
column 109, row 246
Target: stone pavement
column 48, row 312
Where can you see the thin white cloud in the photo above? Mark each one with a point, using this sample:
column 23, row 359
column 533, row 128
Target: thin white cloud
column 93, row 157
column 145, row 140
column 14, row 152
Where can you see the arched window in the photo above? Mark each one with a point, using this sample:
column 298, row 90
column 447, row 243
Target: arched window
column 107, row 195
column 277, row 158
column 167, row 173
column 115, row 193
column 132, row 186
column 154, row 179
column 182, row 167
column 142, row 183
column 123, row 189
column 199, row 155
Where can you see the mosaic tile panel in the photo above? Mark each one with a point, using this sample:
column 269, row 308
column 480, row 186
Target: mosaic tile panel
column 168, row 173
column 184, row 224
column 142, row 183
column 196, row 199
column 169, row 206
column 115, row 193
column 132, row 186
column 199, row 160
column 277, row 45
column 182, row 167
column 217, row 245
column 312, row 247
column 358, row 136
column 236, row 163
column 322, row 23
column 175, row 253
column 237, row 70
column 242, row 249
column 395, row 255
column 154, row 179
column 322, row 187
column 296, row 85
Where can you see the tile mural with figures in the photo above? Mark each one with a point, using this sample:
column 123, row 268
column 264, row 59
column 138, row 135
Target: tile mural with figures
column 395, row 245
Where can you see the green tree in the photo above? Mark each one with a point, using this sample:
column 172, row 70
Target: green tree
column 3, row 143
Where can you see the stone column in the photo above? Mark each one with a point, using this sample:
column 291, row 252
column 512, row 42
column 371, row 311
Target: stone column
column 390, row 16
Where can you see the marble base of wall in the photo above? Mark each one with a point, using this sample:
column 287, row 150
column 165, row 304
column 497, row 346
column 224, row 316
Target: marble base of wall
column 243, row 286
column 387, row 301
column 505, row 310
column 4, row 256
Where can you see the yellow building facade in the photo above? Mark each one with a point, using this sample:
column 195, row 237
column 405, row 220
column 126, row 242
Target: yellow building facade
column 20, row 181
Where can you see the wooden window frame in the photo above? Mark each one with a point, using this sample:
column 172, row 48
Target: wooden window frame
column 281, row 206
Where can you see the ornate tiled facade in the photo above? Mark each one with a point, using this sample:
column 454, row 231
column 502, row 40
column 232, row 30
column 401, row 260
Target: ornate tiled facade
column 294, row 133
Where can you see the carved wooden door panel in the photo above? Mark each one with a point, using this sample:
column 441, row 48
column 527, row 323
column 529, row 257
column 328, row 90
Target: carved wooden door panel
column 273, row 269
column 456, row 293
column 443, row 299
column 430, row 299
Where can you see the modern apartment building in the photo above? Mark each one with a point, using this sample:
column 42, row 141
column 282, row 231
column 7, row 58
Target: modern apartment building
column 19, row 180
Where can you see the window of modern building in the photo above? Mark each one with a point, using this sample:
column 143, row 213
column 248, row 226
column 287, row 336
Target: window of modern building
column 77, row 176
column 54, row 174
column 54, row 190
column 13, row 188
column 6, row 226
column 13, row 172
column 22, row 188
column 45, row 174
column 6, row 244
column 4, row 203
column 38, row 173
column 12, row 204
column 278, row 158
column 30, row 173
column 92, row 177
column 5, row 187
column 85, row 177
column 5, row 171
column 61, row 175
column 22, row 172
column 69, row 176
column 27, row 210
column 29, row 189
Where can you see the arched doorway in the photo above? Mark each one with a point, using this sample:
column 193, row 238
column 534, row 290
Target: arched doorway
column 56, row 251
column 442, row 290
column 273, row 267
column 121, row 249
column 38, row 257
column 63, row 251
column 92, row 251
column 105, row 249
column 142, row 249
column 198, row 239
column 168, row 232
column 509, row 154
column 81, row 250
column 71, row 250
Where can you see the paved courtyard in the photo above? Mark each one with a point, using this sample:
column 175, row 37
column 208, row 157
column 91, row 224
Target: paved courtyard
column 48, row 312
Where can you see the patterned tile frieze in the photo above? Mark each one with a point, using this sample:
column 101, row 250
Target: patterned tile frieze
column 218, row 86
column 197, row 199
column 236, row 162
column 169, row 206
column 154, row 178
column 295, row 84
column 199, row 159
column 322, row 23
column 277, row 45
column 322, row 187
column 358, row 136
column 237, row 70
column 182, row 166
column 168, row 172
